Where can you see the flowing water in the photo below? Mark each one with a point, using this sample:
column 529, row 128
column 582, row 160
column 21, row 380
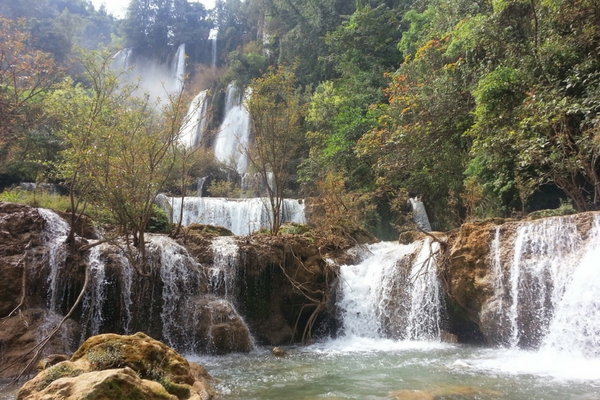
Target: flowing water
column 240, row 216
column 383, row 369
column 233, row 139
column 546, row 284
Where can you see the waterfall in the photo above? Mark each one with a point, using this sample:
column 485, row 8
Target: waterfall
column 54, row 236
column 151, row 76
column 240, row 216
column 212, row 37
column 233, row 139
column 122, row 60
column 547, row 273
column 181, row 276
column 222, row 275
column 392, row 293
column 95, row 297
column 194, row 124
column 575, row 327
column 420, row 214
column 178, row 69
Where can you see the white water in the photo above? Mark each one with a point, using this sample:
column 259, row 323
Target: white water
column 178, row 67
column 233, row 139
column 54, row 236
column 212, row 37
column 240, row 216
column 546, row 255
column 181, row 277
column 222, row 275
column 154, row 78
column 96, row 295
column 392, row 293
column 420, row 214
column 194, row 124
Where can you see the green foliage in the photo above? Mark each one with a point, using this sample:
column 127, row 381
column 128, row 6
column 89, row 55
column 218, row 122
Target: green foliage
column 159, row 221
column 61, row 370
column 219, row 188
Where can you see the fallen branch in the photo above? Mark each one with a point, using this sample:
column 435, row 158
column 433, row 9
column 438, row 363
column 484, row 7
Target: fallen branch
column 38, row 348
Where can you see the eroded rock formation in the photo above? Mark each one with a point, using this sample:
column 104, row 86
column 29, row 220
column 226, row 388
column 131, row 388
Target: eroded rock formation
column 120, row 367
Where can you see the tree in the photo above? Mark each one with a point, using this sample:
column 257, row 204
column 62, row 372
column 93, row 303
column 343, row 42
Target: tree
column 26, row 75
column 276, row 111
column 83, row 116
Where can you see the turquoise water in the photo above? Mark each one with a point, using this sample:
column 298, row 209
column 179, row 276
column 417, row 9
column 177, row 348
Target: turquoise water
column 380, row 369
column 364, row 369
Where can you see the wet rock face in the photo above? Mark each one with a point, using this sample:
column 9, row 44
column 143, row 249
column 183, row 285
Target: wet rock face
column 20, row 228
column 118, row 367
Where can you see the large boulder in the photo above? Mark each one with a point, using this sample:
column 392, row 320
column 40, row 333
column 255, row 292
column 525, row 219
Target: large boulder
column 117, row 367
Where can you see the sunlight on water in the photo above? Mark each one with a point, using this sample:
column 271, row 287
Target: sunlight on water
column 382, row 369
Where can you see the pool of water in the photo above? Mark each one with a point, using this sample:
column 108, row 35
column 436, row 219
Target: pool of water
column 365, row 369
column 381, row 369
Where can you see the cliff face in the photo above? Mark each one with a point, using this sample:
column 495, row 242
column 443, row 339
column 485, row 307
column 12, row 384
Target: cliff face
column 192, row 300
column 500, row 280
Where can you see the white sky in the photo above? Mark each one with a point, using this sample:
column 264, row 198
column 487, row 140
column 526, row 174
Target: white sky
column 119, row 7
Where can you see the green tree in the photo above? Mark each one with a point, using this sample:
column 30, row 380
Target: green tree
column 276, row 111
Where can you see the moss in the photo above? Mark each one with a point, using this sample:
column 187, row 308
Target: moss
column 62, row 370
column 106, row 356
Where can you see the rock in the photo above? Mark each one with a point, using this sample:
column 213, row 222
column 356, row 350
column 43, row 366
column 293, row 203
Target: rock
column 113, row 384
column 407, row 237
column 117, row 367
column 20, row 332
column 50, row 360
column 278, row 352
column 448, row 337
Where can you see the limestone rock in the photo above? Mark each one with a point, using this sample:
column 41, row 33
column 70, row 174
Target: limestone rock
column 278, row 352
column 114, row 384
column 111, row 366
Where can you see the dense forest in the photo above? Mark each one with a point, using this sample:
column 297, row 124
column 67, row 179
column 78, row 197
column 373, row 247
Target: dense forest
column 483, row 108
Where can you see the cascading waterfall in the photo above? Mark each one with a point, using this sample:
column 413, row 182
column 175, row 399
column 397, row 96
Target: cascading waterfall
column 54, row 237
column 233, row 139
column 536, row 287
column 223, row 272
column 181, row 276
column 392, row 293
column 95, row 297
column 240, row 216
column 194, row 124
column 575, row 326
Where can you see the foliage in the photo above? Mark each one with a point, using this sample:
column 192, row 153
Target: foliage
column 276, row 111
column 26, row 76
column 219, row 188
column 61, row 370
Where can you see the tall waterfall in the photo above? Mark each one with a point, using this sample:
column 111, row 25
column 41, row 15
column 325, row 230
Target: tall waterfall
column 233, row 138
column 240, row 216
column 546, row 285
column 212, row 37
column 392, row 293
column 194, row 124
column 178, row 69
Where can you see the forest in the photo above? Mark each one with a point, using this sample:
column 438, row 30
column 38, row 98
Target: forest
column 481, row 108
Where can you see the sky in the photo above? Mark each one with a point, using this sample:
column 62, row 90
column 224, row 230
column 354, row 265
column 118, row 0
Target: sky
column 119, row 7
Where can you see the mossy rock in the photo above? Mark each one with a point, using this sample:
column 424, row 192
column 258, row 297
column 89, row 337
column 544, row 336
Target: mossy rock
column 112, row 366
